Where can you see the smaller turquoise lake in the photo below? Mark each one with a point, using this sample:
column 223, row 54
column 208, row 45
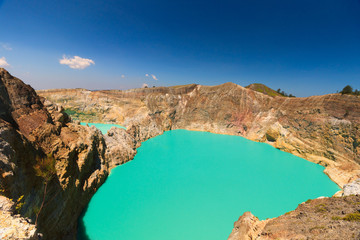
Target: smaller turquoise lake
column 186, row 185
column 103, row 127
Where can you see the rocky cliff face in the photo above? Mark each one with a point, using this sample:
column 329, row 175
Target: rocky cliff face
column 29, row 132
column 322, row 129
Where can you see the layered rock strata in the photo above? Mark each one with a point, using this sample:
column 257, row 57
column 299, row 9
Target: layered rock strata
column 322, row 129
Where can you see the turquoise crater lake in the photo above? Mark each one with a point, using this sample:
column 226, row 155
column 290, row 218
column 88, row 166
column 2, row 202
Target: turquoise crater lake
column 187, row 185
column 103, row 127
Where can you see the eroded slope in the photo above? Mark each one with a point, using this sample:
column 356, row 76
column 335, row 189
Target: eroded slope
column 323, row 129
column 326, row 218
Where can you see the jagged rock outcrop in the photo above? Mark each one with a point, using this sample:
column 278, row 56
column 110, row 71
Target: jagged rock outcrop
column 323, row 218
column 121, row 147
column 29, row 132
column 14, row 227
column 352, row 188
column 247, row 227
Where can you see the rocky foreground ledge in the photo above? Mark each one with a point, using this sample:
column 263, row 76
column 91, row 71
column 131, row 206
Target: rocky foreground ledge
column 335, row 218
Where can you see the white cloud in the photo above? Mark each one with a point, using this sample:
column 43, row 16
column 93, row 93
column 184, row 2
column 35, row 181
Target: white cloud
column 76, row 62
column 154, row 77
column 6, row 46
column 145, row 85
column 123, row 76
column 3, row 62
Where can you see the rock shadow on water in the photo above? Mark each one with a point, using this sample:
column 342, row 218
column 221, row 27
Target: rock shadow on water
column 81, row 231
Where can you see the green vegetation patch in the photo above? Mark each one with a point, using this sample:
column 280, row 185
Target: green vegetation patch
column 263, row 89
column 70, row 112
column 321, row 208
column 81, row 116
column 19, row 204
column 349, row 90
column 352, row 217
column 268, row 91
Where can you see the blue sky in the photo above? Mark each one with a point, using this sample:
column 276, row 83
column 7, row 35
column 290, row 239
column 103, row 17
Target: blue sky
column 303, row 47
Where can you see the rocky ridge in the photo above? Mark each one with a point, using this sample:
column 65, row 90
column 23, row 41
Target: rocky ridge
column 322, row 129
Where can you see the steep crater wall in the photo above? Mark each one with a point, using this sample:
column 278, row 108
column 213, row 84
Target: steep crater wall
column 322, row 129
column 53, row 198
